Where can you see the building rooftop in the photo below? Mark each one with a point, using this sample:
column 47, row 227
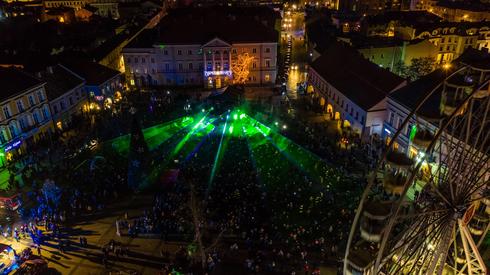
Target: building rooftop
column 450, row 27
column 200, row 25
column 413, row 93
column 59, row 80
column 469, row 5
column 360, row 41
column 410, row 95
column 93, row 73
column 404, row 17
column 362, row 81
column 14, row 81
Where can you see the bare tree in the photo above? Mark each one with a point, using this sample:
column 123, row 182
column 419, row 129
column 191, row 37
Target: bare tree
column 197, row 208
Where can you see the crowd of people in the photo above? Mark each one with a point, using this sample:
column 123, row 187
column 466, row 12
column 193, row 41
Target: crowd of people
column 252, row 204
column 260, row 207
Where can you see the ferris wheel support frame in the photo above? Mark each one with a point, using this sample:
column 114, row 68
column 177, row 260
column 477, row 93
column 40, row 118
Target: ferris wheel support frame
column 406, row 185
column 373, row 176
column 396, row 207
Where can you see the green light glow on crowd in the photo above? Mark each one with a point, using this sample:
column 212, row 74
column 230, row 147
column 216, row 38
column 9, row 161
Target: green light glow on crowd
column 272, row 153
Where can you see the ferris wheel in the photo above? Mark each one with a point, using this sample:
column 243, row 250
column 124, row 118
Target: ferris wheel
column 429, row 213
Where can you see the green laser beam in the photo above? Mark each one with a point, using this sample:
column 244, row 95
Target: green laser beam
column 217, row 157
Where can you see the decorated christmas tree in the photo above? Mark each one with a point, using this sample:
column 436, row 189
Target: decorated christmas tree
column 138, row 156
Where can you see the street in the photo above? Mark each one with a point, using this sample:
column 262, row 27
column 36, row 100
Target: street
column 295, row 54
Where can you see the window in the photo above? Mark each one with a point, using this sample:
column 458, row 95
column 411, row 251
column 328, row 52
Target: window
column 13, row 130
column 179, row 52
column 190, row 66
column 35, row 116
column 70, row 100
column 400, row 122
column 135, row 60
column 267, row 78
column 40, row 96
column 143, row 60
column 254, row 50
column 209, row 66
column 357, row 115
column 233, row 51
column 45, row 113
column 180, row 67
column 31, row 100
column 152, row 60
column 6, row 112
column 267, row 63
column 2, row 137
column 267, row 50
column 443, row 40
column 128, row 60
column 167, row 67
column 217, row 66
column 20, row 106
column 347, row 107
column 22, row 123
column 342, row 104
column 165, row 52
column 392, row 118
column 189, row 52
column 254, row 65
column 62, row 105
column 55, row 109
column 226, row 65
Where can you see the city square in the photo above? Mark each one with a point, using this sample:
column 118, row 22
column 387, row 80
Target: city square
column 244, row 137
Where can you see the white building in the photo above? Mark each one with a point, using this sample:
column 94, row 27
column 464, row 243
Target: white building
column 199, row 49
column 65, row 94
column 25, row 117
column 351, row 89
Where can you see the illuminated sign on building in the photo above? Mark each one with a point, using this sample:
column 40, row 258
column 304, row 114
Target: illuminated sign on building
column 210, row 73
column 14, row 145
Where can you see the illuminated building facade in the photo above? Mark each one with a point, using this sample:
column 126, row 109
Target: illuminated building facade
column 202, row 55
column 103, row 85
column 104, row 8
column 351, row 89
column 65, row 94
column 450, row 39
column 25, row 117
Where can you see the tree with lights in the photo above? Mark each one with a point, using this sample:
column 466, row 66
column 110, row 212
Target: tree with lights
column 240, row 68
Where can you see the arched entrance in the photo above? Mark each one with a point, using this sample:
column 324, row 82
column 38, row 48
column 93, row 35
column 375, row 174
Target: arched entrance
column 107, row 103
column 310, row 89
column 329, row 108
column 336, row 116
column 218, row 82
column 346, row 123
column 322, row 101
